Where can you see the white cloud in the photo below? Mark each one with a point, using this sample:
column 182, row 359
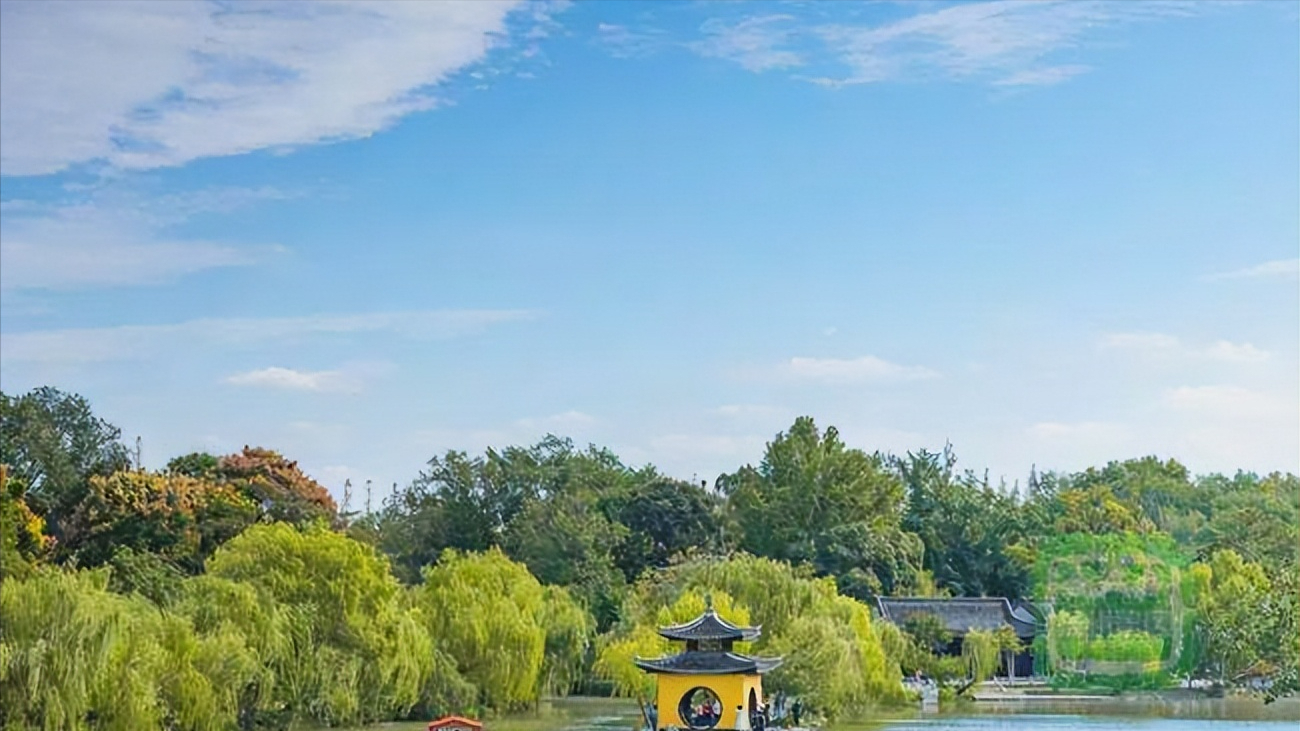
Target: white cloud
column 1006, row 39
column 290, row 379
column 117, row 239
column 1235, row 352
column 1226, row 402
column 865, row 369
column 150, row 84
column 1057, row 431
column 623, row 42
column 561, row 423
column 1004, row 42
column 751, row 411
column 81, row 247
column 1045, row 76
column 1140, row 341
column 1159, row 344
column 1280, row 268
column 1230, row 427
column 89, row 345
column 754, row 43
column 1222, row 427
column 1075, row 445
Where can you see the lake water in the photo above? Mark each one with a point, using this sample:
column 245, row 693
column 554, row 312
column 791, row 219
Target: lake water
column 1124, row 714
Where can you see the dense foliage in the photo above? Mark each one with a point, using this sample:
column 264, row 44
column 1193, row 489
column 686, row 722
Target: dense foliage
column 231, row 592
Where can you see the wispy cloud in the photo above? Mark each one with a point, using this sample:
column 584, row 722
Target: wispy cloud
column 350, row 378
column 289, row 379
column 757, row 44
column 1280, row 268
column 1140, row 341
column 1225, row 401
column 1091, row 431
column 1160, row 344
column 865, row 369
column 1229, row 352
column 127, row 342
column 1045, row 76
column 151, row 84
column 114, row 238
column 623, row 42
column 1007, row 43
column 751, row 411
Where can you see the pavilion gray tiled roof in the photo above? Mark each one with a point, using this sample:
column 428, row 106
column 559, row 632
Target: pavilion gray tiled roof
column 962, row 614
column 709, row 626
column 709, row 663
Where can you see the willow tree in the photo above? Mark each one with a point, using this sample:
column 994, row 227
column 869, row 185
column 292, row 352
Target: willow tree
column 509, row 636
column 77, row 656
column 569, row 631
column 357, row 653
column 979, row 650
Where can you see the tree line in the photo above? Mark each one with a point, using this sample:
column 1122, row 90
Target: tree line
column 233, row 592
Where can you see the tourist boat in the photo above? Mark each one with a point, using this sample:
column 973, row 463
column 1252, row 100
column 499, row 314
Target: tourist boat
column 455, row 723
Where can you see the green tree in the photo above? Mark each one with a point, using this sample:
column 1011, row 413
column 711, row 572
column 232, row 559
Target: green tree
column 179, row 518
column 663, row 517
column 567, row 541
column 1258, row 518
column 76, row 656
column 1097, row 509
column 509, row 636
column 54, row 443
column 928, row 631
column 1236, row 631
column 813, row 500
column 980, row 650
column 360, row 653
column 966, row 526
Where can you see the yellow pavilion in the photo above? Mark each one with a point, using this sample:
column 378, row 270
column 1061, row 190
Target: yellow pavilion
column 708, row 685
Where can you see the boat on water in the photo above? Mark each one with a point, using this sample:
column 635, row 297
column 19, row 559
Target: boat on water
column 454, row 723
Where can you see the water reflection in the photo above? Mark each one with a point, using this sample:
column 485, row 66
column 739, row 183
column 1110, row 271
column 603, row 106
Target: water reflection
column 1108, row 714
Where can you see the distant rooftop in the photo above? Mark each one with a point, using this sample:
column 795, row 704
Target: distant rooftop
column 962, row 614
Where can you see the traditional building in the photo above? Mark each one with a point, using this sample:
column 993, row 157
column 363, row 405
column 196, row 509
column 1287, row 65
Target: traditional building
column 709, row 685
column 962, row 614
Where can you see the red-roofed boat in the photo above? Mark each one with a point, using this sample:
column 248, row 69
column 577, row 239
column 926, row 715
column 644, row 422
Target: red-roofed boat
column 455, row 723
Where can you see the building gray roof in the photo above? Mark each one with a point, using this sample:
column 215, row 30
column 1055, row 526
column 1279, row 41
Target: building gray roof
column 709, row 663
column 962, row 614
column 709, row 626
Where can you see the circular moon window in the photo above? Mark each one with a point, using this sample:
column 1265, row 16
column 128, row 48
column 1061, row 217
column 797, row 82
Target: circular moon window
column 700, row 708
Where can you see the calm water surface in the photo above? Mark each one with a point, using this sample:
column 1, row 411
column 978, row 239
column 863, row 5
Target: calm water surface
column 589, row 714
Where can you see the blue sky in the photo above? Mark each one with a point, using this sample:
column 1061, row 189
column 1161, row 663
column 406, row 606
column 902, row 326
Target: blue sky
column 366, row 233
